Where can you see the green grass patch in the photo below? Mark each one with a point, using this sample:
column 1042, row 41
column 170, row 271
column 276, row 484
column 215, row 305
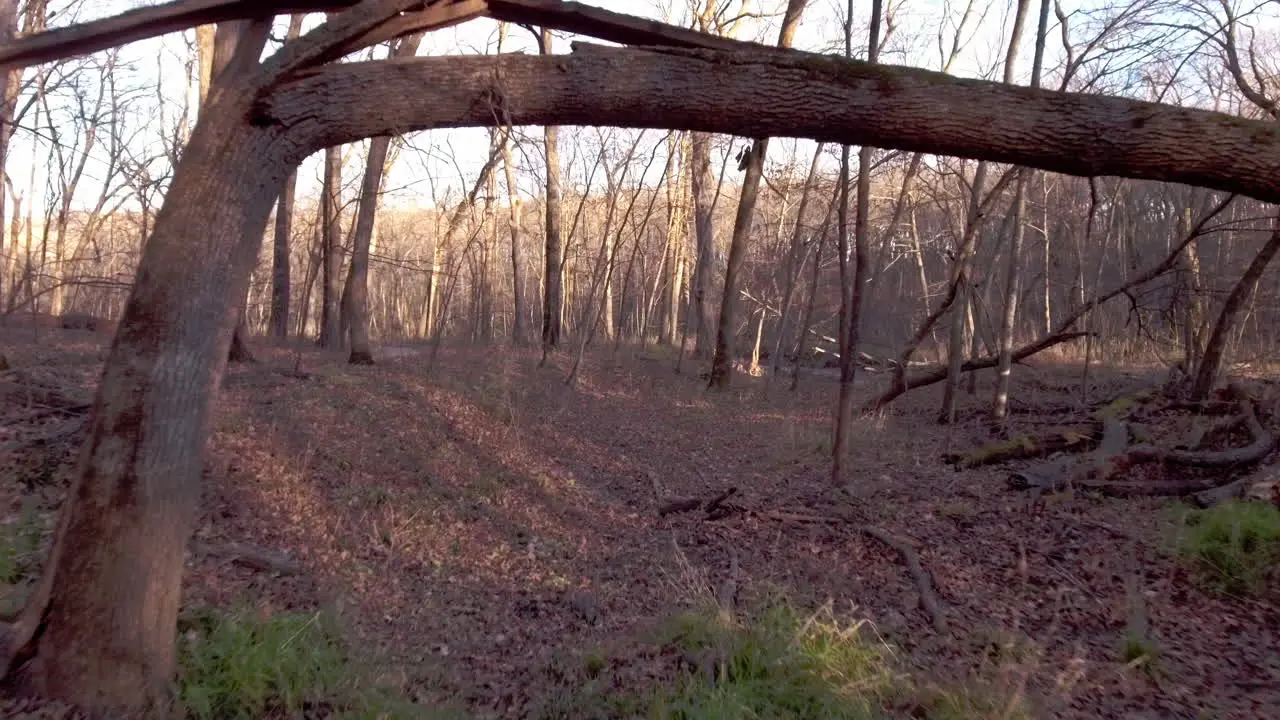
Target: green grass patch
column 238, row 665
column 1236, row 544
column 780, row 665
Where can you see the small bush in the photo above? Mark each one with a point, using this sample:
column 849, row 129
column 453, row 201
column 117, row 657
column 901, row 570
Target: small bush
column 1237, row 543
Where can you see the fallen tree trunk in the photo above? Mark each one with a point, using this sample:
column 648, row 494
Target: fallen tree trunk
column 1263, row 442
column 1026, row 447
column 939, row 374
column 1114, row 456
column 1062, row 333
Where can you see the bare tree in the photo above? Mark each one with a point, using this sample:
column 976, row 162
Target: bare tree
column 331, row 250
column 356, row 292
column 852, row 285
column 1012, row 289
column 553, row 271
column 753, row 163
column 280, row 271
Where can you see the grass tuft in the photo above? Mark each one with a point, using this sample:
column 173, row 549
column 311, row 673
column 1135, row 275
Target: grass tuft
column 1237, row 544
column 239, row 665
column 781, row 665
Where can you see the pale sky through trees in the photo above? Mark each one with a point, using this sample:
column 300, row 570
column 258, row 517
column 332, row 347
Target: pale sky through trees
column 451, row 158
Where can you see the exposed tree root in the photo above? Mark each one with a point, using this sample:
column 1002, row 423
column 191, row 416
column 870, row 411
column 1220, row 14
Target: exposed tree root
column 924, row 583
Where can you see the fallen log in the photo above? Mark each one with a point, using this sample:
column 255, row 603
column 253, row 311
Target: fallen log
column 1263, row 486
column 1026, row 447
column 259, row 559
column 1263, row 442
column 713, row 507
column 1113, row 456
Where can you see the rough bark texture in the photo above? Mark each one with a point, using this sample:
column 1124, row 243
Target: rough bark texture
column 358, row 279
column 280, row 271
column 792, row 95
column 99, row 631
column 8, row 28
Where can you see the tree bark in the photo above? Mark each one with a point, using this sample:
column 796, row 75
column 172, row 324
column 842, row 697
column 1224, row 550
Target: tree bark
column 9, row 80
column 1012, row 279
column 99, row 629
column 722, row 361
column 553, row 271
column 366, row 214
column 280, row 271
column 215, row 48
column 792, row 95
column 357, row 299
column 330, row 250
column 704, row 239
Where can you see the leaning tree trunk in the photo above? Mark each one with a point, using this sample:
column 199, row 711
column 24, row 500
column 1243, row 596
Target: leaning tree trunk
column 215, row 48
column 357, row 295
column 98, row 631
column 1211, row 363
column 356, row 292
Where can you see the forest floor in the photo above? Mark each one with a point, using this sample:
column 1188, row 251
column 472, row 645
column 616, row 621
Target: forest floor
column 489, row 538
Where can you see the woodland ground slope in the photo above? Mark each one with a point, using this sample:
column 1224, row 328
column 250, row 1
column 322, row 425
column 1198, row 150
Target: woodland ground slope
column 482, row 528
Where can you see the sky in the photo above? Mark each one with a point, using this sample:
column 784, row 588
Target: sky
column 449, row 159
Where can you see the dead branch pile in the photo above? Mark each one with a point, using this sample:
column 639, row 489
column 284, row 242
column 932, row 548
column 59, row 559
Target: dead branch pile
column 1119, row 454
